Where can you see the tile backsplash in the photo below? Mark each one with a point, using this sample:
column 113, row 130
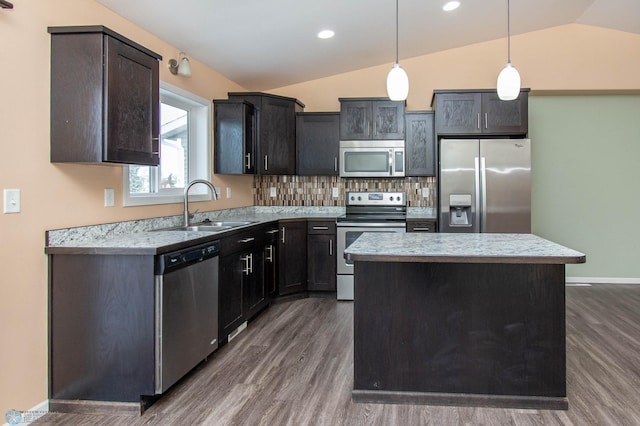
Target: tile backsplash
column 318, row 190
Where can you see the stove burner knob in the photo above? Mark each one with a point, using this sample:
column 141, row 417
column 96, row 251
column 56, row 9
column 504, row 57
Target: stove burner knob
column 359, row 198
column 391, row 198
column 353, row 198
column 398, row 198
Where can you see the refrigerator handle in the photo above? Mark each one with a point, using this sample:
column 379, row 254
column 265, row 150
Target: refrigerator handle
column 483, row 189
column 478, row 211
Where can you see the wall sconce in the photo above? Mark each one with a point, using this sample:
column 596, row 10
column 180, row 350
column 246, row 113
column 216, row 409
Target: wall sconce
column 180, row 66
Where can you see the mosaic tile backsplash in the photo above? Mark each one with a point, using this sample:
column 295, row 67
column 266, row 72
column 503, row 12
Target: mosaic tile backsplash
column 318, row 190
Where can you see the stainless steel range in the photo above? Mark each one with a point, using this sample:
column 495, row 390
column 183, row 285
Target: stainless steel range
column 366, row 212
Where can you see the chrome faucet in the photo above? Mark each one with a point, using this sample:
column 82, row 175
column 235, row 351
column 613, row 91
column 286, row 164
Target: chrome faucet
column 186, row 196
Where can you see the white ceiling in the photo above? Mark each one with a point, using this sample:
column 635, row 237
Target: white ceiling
column 265, row 44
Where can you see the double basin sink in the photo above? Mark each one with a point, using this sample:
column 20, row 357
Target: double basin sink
column 218, row 226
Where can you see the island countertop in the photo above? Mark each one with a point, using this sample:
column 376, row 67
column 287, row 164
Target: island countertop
column 460, row 248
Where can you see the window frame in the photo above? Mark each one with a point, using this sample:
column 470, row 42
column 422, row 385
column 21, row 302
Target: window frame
column 200, row 162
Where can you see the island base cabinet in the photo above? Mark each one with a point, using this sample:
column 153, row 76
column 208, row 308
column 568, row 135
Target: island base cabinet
column 460, row 334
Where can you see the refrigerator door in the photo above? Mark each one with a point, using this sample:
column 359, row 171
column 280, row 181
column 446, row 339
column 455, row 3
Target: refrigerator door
column 459, row 185
column 505, row 181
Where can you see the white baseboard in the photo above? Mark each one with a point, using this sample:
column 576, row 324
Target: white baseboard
column 33, row 414
column 601, row 280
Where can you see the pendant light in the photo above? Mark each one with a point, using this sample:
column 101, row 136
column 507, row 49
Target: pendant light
column 397, row 79
column 509, row 78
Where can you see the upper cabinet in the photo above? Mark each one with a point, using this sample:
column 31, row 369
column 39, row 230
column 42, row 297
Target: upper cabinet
column 371, row 118
column 463, row 112
column 420, row 146
column 235, row 137
column 317, row 143
column 275, row 131
column 105, row 105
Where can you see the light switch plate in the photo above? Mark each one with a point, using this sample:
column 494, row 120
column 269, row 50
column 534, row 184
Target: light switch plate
column 228, row 192
column 11, row 201
column 272, row 191
column 426, row 192
column 109, row 197
column 335, row 192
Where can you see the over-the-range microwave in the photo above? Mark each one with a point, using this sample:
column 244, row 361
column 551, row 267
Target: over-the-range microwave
column 372, row 158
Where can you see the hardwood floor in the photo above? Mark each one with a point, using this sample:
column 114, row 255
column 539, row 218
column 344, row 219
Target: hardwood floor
column 293, row 366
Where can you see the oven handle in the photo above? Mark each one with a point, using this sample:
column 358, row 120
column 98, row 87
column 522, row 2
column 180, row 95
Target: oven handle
column 371, row 225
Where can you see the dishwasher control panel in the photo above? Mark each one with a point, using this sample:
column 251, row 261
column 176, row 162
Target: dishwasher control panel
column 180, row 259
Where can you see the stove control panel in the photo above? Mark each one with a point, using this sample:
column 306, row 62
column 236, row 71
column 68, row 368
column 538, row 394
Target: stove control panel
column 376, row 199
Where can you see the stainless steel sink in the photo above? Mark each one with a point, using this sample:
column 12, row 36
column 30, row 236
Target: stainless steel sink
column 217, row 226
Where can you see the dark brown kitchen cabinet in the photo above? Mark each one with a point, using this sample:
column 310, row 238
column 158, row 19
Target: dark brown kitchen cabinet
column 234, row 137
column 104, row 98
column 422, row 225
column 420, row 146
column 275, row 131
column 321, row 255
column 317, row 143
column 292, row 257
column 242, row 288
column 463, row 112
column 371, row 118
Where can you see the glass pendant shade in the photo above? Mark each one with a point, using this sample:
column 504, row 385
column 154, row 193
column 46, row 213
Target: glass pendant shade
column 397, row 84
column 508, row 83
column 185, row 67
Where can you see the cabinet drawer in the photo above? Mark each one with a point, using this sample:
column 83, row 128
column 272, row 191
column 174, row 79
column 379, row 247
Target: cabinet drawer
column 422, row 226
column 242, row 240
column 321, row 227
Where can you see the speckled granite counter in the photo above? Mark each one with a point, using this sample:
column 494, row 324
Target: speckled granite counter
column 460, row 248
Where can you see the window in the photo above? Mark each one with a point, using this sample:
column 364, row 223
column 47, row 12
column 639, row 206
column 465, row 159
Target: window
column 184, row 152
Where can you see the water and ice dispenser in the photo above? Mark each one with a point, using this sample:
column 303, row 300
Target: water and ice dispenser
column 460, row 210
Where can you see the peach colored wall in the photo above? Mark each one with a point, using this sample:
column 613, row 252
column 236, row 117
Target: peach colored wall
column 569, row 57
column 59, row 195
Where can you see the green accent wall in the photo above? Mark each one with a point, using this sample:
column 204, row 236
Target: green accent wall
column 586, row 179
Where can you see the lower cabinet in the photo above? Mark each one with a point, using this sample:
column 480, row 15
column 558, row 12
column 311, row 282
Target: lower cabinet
column 321, row 255
column 292, row 257
column 271, row 260
column 244, row 279
column 422, row 225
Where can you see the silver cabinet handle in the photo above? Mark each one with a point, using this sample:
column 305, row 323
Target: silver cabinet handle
column 478, row 120
column 269, row 253
column 273, row 231
column 421, row 229
column 245, row 267
column 330, row 247
column 283, row 235
column 251, row 263
column 248, row 166
column 246, row 240
column 321, row 228
column 266, row 162
column 335, row 164
column 486, row 120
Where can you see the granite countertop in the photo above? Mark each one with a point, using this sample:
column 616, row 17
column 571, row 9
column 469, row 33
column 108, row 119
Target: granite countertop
column 460, row 248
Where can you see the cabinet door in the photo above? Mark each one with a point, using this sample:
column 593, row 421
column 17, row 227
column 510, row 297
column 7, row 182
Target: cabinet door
column 270, row 268
column 277, row 119
column 505, row 117
column 388, row 119
column 132, row 105
column 317, row 144
column 321, row 258
column 355, row 120
column 254, row 283
column 231, row 297
column 292, row 257
column 458, row 113
column 234, row 138
column 420, row 146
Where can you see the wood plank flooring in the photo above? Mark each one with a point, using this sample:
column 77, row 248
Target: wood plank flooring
column 294, row 366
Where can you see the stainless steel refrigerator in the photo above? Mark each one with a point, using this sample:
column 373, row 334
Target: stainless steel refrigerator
column 485, row 185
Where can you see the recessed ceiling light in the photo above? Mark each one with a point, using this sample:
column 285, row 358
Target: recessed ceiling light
column 326, row 34
column 452, row 5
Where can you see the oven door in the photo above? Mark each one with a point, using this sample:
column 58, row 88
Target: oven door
column 347, row 234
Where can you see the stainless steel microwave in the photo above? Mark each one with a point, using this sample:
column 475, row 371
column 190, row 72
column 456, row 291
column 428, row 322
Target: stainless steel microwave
column 379, row 158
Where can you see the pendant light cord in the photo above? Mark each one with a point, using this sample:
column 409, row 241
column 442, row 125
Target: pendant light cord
column 508, row 32
column 397, row 31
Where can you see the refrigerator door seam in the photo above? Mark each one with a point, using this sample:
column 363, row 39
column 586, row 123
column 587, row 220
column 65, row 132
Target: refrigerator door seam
column 483, row 193
column 476, row 213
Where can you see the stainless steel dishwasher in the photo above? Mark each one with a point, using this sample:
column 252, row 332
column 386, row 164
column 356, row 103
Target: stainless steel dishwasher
column 186, row 317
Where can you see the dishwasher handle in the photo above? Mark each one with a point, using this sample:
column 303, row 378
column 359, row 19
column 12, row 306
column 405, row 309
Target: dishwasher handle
column 181, row 259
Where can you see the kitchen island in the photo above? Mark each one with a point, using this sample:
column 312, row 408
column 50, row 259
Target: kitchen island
column 460, row 319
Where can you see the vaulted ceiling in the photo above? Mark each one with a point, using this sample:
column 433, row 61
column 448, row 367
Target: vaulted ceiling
column 263, row 45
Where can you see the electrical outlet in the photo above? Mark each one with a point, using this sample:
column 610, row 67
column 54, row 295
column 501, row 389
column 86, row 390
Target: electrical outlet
column 335, row 192
column 426, row 192
column 228, row 192
column 109, row 197
column 272, row 191
column 11, row 201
